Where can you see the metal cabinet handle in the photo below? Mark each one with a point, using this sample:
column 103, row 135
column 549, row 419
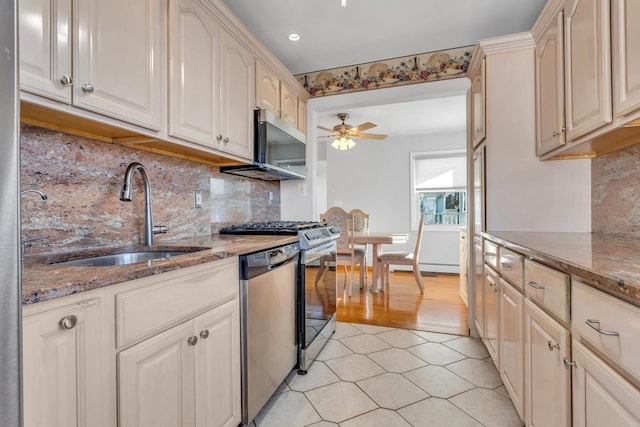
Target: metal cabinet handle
column 192, row 340
column 507, row 265
column 226, row 140
column 490, row 254
column 204, row 334
column 552, row 346
column 595, row 324
column 555, row 133
column 66, row 80
column 88, row 88
column 569, row 364
column 535, row 285
column 491, row 281
column 219, row 137
column 68, row 322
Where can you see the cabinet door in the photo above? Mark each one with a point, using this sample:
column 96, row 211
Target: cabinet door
column 237, row 96
column 463, row 269
column 587, row 66
column 626, row 56
column 302, row 116
column 61, row 359
column 478, row 287
column 547, row 379
column 601, row 397
column 218, row 367
column 267, row 89
column 550, row 128
column 155, row 381
column 512, row 344
column 120, row 59
column 45, row 48
column 288, row 106
column 478, row 107
column 492, row 314
column 194, row 93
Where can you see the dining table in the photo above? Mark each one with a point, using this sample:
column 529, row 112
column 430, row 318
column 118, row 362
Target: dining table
column 376, row 239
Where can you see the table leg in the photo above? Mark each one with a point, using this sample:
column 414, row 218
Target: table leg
column 375, row 281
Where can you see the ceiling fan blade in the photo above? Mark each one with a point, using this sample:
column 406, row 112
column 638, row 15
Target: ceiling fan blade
column 325, row 129
column 369, row 136
column 361, row 127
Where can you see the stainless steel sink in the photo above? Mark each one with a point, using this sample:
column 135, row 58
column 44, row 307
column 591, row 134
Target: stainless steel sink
column 121, row 259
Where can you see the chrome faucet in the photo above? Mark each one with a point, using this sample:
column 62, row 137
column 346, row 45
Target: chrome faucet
column 125, row 196
column 27, row 242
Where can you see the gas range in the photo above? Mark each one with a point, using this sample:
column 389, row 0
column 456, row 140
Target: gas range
column 310, row 233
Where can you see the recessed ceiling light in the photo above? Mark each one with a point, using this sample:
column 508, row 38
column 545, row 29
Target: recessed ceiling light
column 294, row 37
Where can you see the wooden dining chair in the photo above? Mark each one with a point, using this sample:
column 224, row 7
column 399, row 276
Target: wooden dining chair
column 405, row 258
column 346, row 253
column 361, row 224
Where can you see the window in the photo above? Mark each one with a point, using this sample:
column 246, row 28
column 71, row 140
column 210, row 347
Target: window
column 439, row 186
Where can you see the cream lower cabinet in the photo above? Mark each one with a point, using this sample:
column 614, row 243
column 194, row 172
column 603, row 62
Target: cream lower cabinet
column 463, row 268
column 512, row 343
column 478, row 287
column 492, row 314
column 601, row 397
column 547, row 378
column 62, row 353
column 186, row 376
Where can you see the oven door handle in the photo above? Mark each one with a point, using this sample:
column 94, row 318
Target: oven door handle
column 280, row 264
column 320, row 251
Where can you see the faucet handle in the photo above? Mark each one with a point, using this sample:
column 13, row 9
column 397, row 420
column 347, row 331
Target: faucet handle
column 160, row 229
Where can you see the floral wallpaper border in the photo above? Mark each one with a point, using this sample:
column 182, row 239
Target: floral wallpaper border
column 424, row 67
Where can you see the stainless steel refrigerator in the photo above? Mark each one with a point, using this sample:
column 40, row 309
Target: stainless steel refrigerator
column 10, row 313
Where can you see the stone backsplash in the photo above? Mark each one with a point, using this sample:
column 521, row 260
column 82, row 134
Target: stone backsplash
column 615, row 192
column 82, row 179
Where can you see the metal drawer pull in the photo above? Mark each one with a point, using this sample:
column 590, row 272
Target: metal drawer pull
column 595, row 324
column 68, row 322
column 204, row 334
column 568, row 364
column 491, row 281
column 506, row 265
column 552, row 346
column 88, row 88
column 535, row 285
column 66, row 80
column 193, row 340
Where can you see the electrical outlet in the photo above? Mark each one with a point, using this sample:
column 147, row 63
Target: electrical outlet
column 197, row 199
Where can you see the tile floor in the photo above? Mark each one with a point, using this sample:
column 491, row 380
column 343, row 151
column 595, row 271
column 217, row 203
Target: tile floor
column 378, row 376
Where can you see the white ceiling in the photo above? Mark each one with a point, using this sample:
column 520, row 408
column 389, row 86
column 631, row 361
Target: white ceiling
column 372, row 30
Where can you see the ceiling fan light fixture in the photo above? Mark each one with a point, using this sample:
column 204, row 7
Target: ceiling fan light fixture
column 294, row 37
column 343, row 143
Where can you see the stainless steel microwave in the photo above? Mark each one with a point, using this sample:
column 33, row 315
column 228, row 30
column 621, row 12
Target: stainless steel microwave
column 279, row 150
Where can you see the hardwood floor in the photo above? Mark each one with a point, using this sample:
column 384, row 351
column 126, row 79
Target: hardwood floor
column 440, row 309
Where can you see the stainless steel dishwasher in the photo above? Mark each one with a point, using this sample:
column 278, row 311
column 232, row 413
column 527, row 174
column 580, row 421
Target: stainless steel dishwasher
column 268, row 324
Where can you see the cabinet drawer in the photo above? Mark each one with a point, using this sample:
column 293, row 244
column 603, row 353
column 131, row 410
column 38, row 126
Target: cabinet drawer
column 491, row 254
column 512, row 267
column 549, row 288
column 618, row 323
column 149, row 309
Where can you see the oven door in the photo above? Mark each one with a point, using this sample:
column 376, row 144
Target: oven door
column 316, row 296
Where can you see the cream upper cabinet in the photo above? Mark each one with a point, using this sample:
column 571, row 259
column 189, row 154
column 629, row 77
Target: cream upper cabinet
column 587, row 66
column 478, row 106
column 119, row 67
column 626, row 56
column 267, row 89
column 288, row 106
column 194, row 92
column 302, row 115
column 547, row 379
column 237, row 97
column 45, row 48
column 550, row 112
column 512, row 344
column 62, row 356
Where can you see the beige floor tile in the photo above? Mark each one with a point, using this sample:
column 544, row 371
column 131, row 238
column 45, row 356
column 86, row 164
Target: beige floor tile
column 401, row 338
column 283, row 386
column 317, row 376
column 503, row 391
column 364, row 343
column 324, row 424
column 340, row 401
column 471, row 347
column 377, row 418
column 392, row 391
column 371, row 329
column 397, row 360
column 436, row 354
column 434, row 336
column 354, row 367
column 334, row 348
column 488, row 407
column 477, row 372
column 434, row 412
column 345, row 330
column 438, row 381
column 290, row 409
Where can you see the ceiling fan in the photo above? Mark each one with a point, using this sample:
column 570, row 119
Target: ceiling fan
column 344, row 130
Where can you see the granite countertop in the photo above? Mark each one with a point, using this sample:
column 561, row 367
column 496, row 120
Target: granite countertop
column 43, row 281
column 609, row 262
